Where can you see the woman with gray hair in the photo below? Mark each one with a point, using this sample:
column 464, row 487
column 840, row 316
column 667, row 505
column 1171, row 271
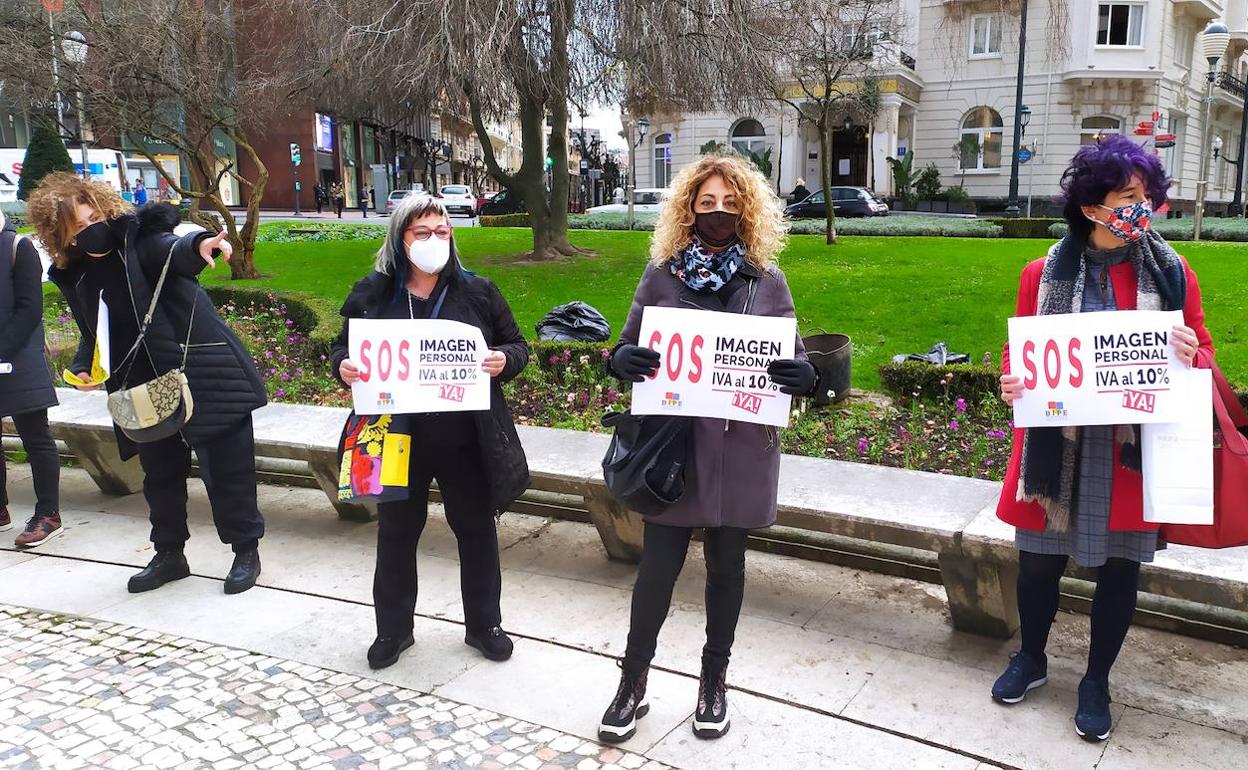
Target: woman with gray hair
column 475, row 457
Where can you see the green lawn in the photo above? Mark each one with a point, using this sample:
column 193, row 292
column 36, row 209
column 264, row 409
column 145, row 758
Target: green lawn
column 891, row 294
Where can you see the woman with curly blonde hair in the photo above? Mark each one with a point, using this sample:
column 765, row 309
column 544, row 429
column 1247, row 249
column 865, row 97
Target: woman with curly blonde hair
column 714, row 249
column 103, row 250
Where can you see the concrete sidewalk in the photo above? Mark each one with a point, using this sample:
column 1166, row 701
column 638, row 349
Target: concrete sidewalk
column 832, row 668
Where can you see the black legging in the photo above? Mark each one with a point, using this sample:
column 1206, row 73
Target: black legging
column 662, row 557
column 45, row 465
column 1113, row 605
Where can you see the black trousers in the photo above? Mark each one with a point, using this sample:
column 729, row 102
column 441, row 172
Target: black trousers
column 227, row 465
column 45, row 466
column 1113, row 606
column 446, row 450
column 662, row 557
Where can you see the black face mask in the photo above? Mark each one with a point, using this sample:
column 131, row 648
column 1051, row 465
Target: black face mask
column 716, row 229
column 94, row 241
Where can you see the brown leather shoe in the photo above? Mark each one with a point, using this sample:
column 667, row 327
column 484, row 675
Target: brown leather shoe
column 39, row 530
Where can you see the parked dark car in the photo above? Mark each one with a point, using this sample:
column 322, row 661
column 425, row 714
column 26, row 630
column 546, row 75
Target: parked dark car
column 504, row 202
column 846, row 202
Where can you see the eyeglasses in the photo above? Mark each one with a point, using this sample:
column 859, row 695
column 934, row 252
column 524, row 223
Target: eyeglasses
column 423, row 233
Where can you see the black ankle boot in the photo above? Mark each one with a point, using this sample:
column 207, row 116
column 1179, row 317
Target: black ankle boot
column 244, row 572
column 165, row 567
column 386, row 650
column 619, row 723
column 711, row 718
column 494, row 643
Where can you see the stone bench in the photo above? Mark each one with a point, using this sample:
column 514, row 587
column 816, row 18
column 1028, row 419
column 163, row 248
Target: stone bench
column 950, row 516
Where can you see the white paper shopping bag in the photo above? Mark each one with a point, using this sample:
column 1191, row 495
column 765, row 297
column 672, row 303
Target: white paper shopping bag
column 1178, row 459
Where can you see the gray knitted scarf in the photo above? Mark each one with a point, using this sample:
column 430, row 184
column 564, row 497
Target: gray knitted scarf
column 1050, row 464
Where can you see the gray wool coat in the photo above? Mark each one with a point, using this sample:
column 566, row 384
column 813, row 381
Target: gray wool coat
column 732, row 478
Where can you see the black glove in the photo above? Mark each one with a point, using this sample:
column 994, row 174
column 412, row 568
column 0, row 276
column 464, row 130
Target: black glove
column 797, row 378
column 634, row 363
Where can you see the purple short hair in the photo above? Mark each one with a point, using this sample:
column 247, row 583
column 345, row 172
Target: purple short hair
column 1099, row 169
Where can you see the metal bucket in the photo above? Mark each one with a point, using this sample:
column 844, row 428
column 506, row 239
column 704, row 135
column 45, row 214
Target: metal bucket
column 830, row 354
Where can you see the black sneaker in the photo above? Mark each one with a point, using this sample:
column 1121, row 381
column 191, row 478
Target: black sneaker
column 494, row 643
column 711, row 718
column 1023, row 674
column 1092, row 720
column 619, row 723
column 165, row 567
column 244, row 572
column 385, row 650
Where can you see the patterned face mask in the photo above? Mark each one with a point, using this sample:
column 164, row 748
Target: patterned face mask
column 1129, row 223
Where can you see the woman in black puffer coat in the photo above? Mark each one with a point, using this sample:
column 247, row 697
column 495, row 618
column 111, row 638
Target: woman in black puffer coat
column 100, row 246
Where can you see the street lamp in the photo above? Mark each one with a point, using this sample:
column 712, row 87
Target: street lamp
column 1217, row 149
column 641, row 127
column 1237, row 200
column 1011, row 206
column 1213, row 43
column 1024, row 118
column 74, row 45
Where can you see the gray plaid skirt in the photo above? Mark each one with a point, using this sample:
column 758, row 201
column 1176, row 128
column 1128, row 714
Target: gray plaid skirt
column 1090, row 541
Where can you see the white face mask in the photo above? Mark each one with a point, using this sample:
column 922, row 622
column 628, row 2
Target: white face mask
column 431, row 255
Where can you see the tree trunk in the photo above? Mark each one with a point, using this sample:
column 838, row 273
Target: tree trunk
column 562, row 13
column 243, row 265
column 825, row 176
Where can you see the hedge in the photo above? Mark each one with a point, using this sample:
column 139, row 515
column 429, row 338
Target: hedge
column 281, row 232
column 1025, row 227
column 505, row 220
column 916, row 379
column 1212, row 229
column 904, row 224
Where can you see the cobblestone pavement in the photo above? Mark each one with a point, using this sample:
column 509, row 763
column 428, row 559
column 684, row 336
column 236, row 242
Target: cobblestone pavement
column 78, row 693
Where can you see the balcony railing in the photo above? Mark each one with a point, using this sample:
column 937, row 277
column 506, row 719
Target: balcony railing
column 1231, row 84
column 908, row 61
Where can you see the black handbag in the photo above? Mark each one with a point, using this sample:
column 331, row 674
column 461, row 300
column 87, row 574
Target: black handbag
column 645, row 464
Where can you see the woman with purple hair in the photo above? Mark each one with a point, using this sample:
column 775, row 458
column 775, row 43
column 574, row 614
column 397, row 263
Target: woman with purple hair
column 1078, row 492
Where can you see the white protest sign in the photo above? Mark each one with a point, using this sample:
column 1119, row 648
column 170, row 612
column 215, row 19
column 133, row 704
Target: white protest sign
column 1178, row 459
column 1108, row 368
column 411, row 366
column 715, row 365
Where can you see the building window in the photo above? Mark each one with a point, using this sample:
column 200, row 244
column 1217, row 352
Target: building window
column 1120, row 24
column 1173, row 156
column 662, row 160
column 748, row 136
column 980, row 145
column 1093, row 129
column 1183, row 39
column 985, row 36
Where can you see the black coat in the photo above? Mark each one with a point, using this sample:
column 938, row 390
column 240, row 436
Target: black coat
column 29, row 386
column 223, row 379
column 476, row 301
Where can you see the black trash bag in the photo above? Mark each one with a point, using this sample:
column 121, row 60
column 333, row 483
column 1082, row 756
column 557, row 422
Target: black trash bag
column 574, row 322
column 938, row 355
column 644, row 468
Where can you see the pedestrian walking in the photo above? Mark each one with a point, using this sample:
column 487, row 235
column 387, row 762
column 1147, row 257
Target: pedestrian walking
column 100, row 245
column 713, row 249
column 363, row 202
column 1077, row 493
column 476, row 457
column 336, row 192
column 26, row 390
column 140, row 193
column 318, row 193
column 800, row 193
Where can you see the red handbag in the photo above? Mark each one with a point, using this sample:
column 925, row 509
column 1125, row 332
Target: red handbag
column 1230, row 477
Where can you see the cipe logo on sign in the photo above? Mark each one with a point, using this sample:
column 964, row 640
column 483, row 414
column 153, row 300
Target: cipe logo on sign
column 1056, row 409
column 385, row 398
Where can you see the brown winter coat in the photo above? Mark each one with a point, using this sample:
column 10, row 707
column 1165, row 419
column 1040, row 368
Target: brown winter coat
column 735, row 469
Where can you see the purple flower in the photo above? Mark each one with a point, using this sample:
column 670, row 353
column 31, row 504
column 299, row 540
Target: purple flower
column 960, row 404
column 953, row 425
column 285, row 376
column 566, row 357
column 553, row 360
column 863, row 445
column 279, row 393
column 289, row 324
column 606, row 354
column 268, row 354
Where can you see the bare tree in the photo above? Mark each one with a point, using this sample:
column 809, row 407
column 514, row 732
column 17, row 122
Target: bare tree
column 165, row 72
column 831, row 66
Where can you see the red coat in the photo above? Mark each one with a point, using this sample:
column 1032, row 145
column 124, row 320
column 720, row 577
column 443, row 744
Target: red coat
column 1126, row 510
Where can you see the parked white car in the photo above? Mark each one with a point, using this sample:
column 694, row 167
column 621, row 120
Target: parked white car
column 644, row 199
column 459, row 199
column 395, row 196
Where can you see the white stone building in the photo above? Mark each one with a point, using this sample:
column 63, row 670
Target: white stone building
column 1103, row 68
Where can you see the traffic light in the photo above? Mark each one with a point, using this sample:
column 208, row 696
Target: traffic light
column 550, row 163
column 295, row 157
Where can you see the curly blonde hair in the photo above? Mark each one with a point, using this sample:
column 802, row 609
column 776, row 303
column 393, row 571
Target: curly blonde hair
column 53, row 210
column 761, row 228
